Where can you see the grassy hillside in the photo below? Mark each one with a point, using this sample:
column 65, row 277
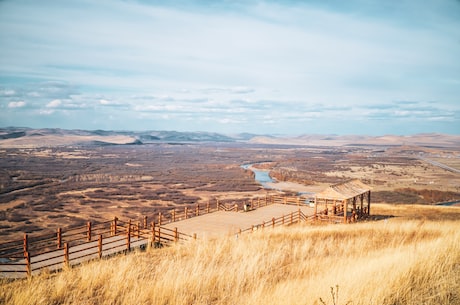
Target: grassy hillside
column 401, row 260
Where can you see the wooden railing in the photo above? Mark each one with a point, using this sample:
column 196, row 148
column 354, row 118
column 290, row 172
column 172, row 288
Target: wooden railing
column 229, row 205
column 257, row 202
column 284, row 220
column 71, row 246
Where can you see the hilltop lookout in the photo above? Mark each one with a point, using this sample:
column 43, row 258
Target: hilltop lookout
column 341, row 199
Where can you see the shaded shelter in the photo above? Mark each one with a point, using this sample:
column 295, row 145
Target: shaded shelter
column 342, row 199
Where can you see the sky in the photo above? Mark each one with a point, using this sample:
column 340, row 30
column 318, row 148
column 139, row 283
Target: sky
column 265, row 67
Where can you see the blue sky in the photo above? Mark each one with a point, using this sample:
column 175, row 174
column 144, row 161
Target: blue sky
column 267, row 67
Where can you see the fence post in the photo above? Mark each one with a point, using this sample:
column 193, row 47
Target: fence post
column 88, row 231
column 27, row 254
column 145, row 222
column 236, row 207
column 176, row 235
column 138, row 229
column 273, row 222
column 59, row 238
column 197, row 213
column 185, row 213
column 292, row 217
column 194, row 236
column 159, row 234
column 159, row 218
column 66, row 255
column 26, row 243
column 298, row 201
column 100, row 246
column 285, row 200
column 27, row 259
column 282, row 220
column 217, row 204
column 263, row 224
column 207, row 208
column 128, row 236
column 252, row 228
column 173, row 213
column 153, row 232
column 115, row 219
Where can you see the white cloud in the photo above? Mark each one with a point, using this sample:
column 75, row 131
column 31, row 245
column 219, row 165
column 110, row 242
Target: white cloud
column 7, row 92
column 18, row 104
column 46, row 111
column 33, row 94
column 54, row 104
column 229, row 121
column 242, row 90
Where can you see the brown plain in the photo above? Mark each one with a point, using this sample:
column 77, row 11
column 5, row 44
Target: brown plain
column 42, row 189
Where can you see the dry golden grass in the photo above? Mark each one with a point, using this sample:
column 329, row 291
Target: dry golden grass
column 417, row 211
column 395, row 261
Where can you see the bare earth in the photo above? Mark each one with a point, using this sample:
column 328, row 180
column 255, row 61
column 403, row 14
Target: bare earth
column 51, row 181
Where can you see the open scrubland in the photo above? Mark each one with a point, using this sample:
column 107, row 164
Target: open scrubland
column 410, row 256
column 44, row 187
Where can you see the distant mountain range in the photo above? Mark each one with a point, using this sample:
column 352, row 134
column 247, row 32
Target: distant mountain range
column 27, row 137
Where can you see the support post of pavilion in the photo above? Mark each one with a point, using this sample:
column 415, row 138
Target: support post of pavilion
column 369, row 203
column 316, row 208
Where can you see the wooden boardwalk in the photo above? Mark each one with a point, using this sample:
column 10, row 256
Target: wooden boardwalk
column 223, row 223
column 206, row 225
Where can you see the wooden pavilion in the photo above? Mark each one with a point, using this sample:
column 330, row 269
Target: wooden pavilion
column 342, row 199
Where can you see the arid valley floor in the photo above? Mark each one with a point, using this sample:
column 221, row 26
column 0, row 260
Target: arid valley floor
column 52, row 179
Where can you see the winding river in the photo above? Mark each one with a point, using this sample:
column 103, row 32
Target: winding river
column 261, row 176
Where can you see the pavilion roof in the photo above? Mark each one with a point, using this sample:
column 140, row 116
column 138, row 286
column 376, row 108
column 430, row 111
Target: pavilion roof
column 344, row 191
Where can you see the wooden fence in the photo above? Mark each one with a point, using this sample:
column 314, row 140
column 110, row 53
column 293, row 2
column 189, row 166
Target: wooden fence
column 72, row 246
column 284, row 220
column 76, row 245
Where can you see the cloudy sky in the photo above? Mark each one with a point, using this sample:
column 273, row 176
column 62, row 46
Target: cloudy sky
column 267, row 67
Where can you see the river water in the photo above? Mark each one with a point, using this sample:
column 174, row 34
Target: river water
column 450, row 203
column 261, row 176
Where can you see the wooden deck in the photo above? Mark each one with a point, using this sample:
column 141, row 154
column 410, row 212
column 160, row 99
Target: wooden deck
column 210, row 225
column 228, row 223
